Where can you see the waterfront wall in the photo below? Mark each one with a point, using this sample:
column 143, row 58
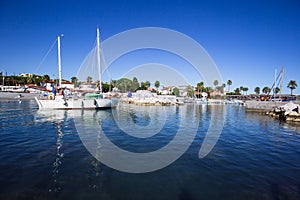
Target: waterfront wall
column 262, row 106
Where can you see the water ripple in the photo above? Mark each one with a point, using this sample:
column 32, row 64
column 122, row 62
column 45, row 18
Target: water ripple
column 42, row 157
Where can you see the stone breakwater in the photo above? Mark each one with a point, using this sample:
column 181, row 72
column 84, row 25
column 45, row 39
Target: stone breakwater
column 143, row 97
column 262, row 106
column 287, row 112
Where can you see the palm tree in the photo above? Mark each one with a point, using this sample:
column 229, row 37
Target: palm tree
column 89, row 79
column 276, row 90
column 190, row 91
column 113, row 83
column 74, row 80
column 47, row 77
column 292, row 85
column 241, row 88
column 245, row 89
column 257, row 90
column 216, row 82
column 229, row 83
column 237, row 91
column 266, row 90
column 147, row 84
column 208, row 89
column 200, row 86
column 157, row 84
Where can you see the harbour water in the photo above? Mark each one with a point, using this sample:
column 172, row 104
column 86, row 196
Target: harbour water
column 43, row 156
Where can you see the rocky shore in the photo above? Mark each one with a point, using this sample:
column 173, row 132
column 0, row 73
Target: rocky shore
column 143, row 97
column 287, row 112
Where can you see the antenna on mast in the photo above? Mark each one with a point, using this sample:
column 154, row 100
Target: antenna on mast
column 282, row 75
column 59, row 59
column 98, row 56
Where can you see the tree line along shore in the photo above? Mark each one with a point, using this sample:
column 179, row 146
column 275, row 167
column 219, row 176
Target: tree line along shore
column 126, row 85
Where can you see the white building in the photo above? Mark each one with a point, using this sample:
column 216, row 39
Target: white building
column 25, row 75
column 67, row 85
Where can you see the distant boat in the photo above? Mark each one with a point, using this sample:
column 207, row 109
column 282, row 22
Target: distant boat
column 90, row 101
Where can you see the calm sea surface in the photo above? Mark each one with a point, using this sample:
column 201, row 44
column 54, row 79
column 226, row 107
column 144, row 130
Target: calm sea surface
column 43, row 157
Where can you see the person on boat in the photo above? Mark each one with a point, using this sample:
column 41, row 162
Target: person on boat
column 64, row 92
column 53, row 91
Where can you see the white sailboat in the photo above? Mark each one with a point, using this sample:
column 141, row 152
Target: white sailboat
column 91, row 101
column 98, row 99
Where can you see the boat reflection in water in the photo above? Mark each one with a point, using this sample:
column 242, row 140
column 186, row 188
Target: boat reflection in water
column 63, row 120
column 57, row 118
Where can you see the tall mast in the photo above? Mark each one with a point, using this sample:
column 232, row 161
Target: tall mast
column 275, row 81
column 59, row 60
column 282, row 75
column 98, row 56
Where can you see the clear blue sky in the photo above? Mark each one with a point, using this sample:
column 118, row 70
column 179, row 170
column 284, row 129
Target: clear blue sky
column 246, row 39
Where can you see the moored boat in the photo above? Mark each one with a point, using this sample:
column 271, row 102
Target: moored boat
column 89, row 101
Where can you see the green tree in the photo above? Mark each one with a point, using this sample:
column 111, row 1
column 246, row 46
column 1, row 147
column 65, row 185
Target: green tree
column 147, row 84
column 46, row 77
column 124, row 84
column 190, row 91
column 208, row 89
column 216, row 83
column 74, row 80
column 105, row 87
column 241, row 89
column 114, row 83
column 89, row 79
column 266, row 90
column 223, row 88
column 200, row 87
column 176, row 92
column 229, row 83
column 257, row 90
column 292, row 85
column 135, row 84
column 276, row 90
column 223, row 85
column 29, row 80
column 245, row 89
column 143, row 86
column 237, row 91
column 37, row 80
column 157, row 84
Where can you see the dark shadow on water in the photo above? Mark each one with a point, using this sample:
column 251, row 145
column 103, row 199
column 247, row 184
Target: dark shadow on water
column 142, row 120
column 185, row 195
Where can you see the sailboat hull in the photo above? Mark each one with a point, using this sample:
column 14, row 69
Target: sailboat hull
column 60, row 104
column 105, row 103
